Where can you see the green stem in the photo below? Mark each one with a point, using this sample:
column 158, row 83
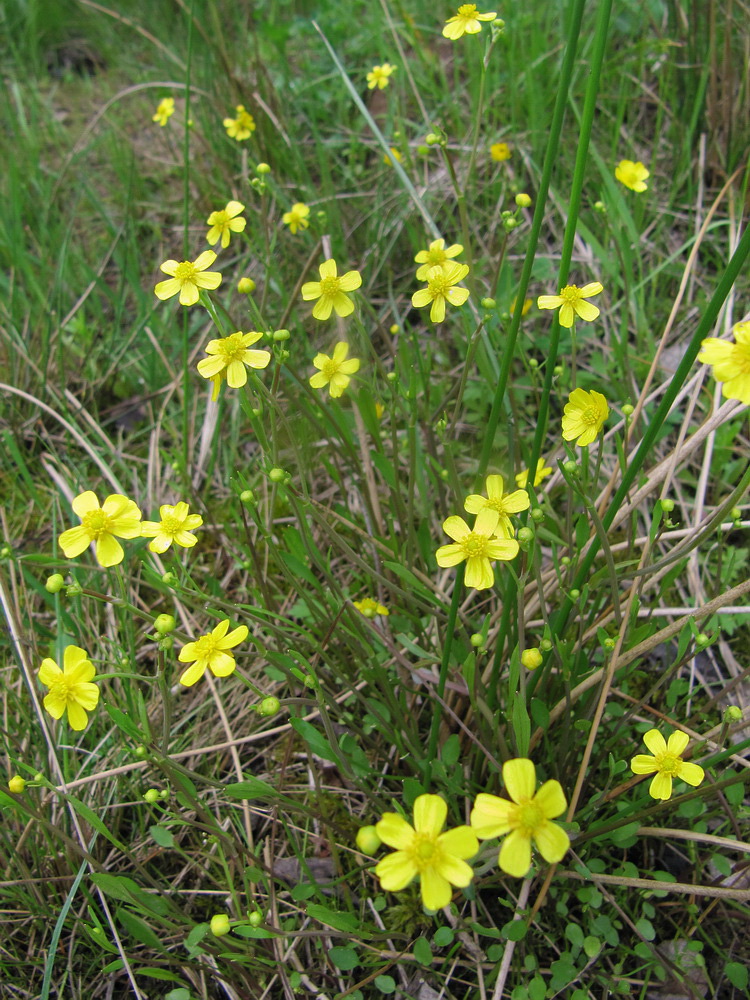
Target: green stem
column 437, row 714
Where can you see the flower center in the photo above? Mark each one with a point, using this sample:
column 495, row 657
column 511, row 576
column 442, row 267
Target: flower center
column 438, row 285
column 467, row 9
column 185, row 272
column 436, row 256
column 669, row 763
column 96, row 522
column 330, row 367
column 170, row 524
column 232, row 348
column 529, row 816
column 590, row 416
column 571, row 294
column 60, row 688
column 474, row 544
column 329, row 286
column 497, row 503
column 205, row 647
column 221, row 219
column 424, row 851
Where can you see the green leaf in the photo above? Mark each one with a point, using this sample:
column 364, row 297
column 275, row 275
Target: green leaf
column 574, row 934
column 521, row 726
column 124, row 723
column 442, row 937
column 422, row 951
column 737, row 974
column 345, row 959
column 386, row 984
column 515, row 930
column 315, row 740
column 140, row 930
column 251, row 788
column 334, row 918
column 161, row 835
column 156, row 973
column 93, row 820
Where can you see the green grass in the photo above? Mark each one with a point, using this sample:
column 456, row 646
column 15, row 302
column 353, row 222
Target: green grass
column 640, row 610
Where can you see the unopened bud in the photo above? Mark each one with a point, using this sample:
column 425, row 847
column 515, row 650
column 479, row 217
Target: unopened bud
column 151, row 795
column 269, row 706
column 164, row 624
column 531, row 658
column 16, row 784
column 262, row 168
column 523, row 200
column 55, row 583
column 368, row 840
column 246, row 286
column 220, row 924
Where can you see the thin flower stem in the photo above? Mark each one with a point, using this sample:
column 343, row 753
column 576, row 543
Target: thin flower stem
column 437, row 712
column 186, row 211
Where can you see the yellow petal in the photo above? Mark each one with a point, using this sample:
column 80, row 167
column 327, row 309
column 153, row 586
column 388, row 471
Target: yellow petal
column 49, row 672
column 677, row 742
column 323, row 307
column 84, row 503
column 205, row 260
column 692, row 773
column 593, row 288
column 655, row 742
column 77, row 717
column 548, row 302
column 552, row 841
column 394, row 831
column 166, row 289
column 328, row 269
column 74, row 541
column 395, row 871
column 311, row 290
column 449, row 555
column 456, row 528
column 193, row 673
column 430, row 812
column 437, row 312
column 515, row 854
column 661, row 786
column 222, row 664
column 551, row 799
column 435, row 890
column 349, row 281
column 460, row 842
column 643, row 764
column 479, row 573
column 109, row 552
column 519, row 776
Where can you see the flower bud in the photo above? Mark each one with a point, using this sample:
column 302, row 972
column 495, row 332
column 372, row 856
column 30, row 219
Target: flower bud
column 255, row 918
column 545, row 645
column 277, row 475
column 368, row 840
column 169, row 578
column 702, row 639
column 565, row 560
column 575, row 594
column 423, row 150
column 432, row 139
column 16, row 784
column 269, row 706
column 74, row 589
column 5, row 552
column 219, row 924
column 164, row 624
column 140, row 751
column 476, row 639
column 531, row 658
column 246, row 286
column 667, row 505
column 55, row 583
column 391, row 376
column 262, row 168
column 536, row 514
column 525, row 537
column 247, row 497
column 600, row 207
column 628, row 410
column 571, row 468
column 488, row 303
column 151, row 795
column 510, row 224
column 609, row 642
column 731, row 714
column 523, row 200
column 280, row 335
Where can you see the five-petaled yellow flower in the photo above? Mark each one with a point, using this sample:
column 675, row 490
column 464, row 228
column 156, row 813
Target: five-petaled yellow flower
column 500, row 151
column 239, row 128
column 731, row 362
column 441, row 282
column 439, row 859
column 466, row 21
column 164, row 111
column 70, row 689
column 210, row 651
column 584, row 416
column 187, row 278
column 225, row 222
column 334, row 371
column 572, row 302
column 666, row 763
column 176, row 525
column 632, row 175
column 228, row 357
column 296, row 217
column 526, row 818
column 542, row 471
column 369, row 607
column 478, row 546
column 117, row 517
column 502, row 505
column 436, row 255
column 330, row 291
column 380, row 76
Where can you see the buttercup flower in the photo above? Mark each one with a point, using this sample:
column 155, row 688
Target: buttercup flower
column 466, row 21
column 224, row 223
column 526, row 818
column 572, row 302
column 239, row 128
column 527, row 304
column 296, row 217
column 584, row 416
column 369, row 607
column 531, row 658
column 666, row 763
column 500, row 151
column 70, row 689
column 436, row 255
column 334, row 372
column 542, row 471
column 502, row 505
column 117, row 517
column 439, row 859
column 164, row 111
column 176, row 525
column 440, row 289
column 477, row 546
column 380, row 76
column 632, row 175
column 187, row 278
column 228, row 357
column 731, row 362
column 329, row 291
column 211, row 651
column 395, row 153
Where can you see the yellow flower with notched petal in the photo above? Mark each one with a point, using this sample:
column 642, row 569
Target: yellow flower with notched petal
column 542, row 471
column 731, row 362
column 436, row 255
column 500, row 151
column 380, row 76
column 117, row 517
column 525, row 818
column 187, row 278
column 632, row 175
column 369, row 607
column 572, row 302
column 164, row 111
column 228, row 357
column 501, row 504
column 466, row 21
column 176, row 525
column 239, row 128
column 210, row 651
column 477, row 546
column 334, row 371
column 70, row 689
column 441, row 282
column 666, row 763
column 296, row 217
column 439, row 859
column 584, row 416
column 225, row 222
column 329, row 291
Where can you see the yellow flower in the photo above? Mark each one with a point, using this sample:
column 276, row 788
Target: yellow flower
column 334, row 372
column 542, row 471
column 584, row 416
column 117, row 517
column 296, row 217
column 501, row 505
column 369, row 607
column 211, row 651
column 477, row 546
column 571, row 301
column 17, row 784
column 329, row 291
column 71, row 688
column 526, row 818
column 436, row 256
column 396, row 156
column 380, row 76
column 439, row 859
column 228, row 357
column 239, row 128
column 527, row 304
column 176, row 525
column 531, row 658
column 224, row 223
column 500, row 151
column 466, row 21
column 666, row 763
column 187, row 278
column 731, row 362
column 632, row 175
column 440, row 288
column 164, row 111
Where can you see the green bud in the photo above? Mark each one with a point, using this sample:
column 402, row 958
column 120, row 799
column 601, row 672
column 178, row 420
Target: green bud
column 423, row 150
column 55, row 583
column 262, row 168
column 269, row 706
column 391, row 376
column 477, row 639
column 531, row 658
column 511, row 224
column 368, row 840
column 571, row 468
column 523, row 200
column 74, row 589
column 256, row 411
column 309, row 681
column 246, row 286
column 533, row 363
column 432, row 139
column 600, row 207
column 545, row 645
column 163, row 795
column 277, row 475
column 282, row 355
column 735, row 513
column 733, row 714
column 667, row 505
column 558, row 370
column 151, row 795
column 16, row 784
column 628, row 410
column 140, row 751
column 575, row 594
column 166, row 643
column 702, row 639
column 488, row 303
column 565, row 561
column 220, row 924
column 169, row 578
column 279, row 335
column 537, row 514
column 255, row 918
column 164, row 624
column 609, row 642
column 525, row 536
column 247, row 497
column 5, row 552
